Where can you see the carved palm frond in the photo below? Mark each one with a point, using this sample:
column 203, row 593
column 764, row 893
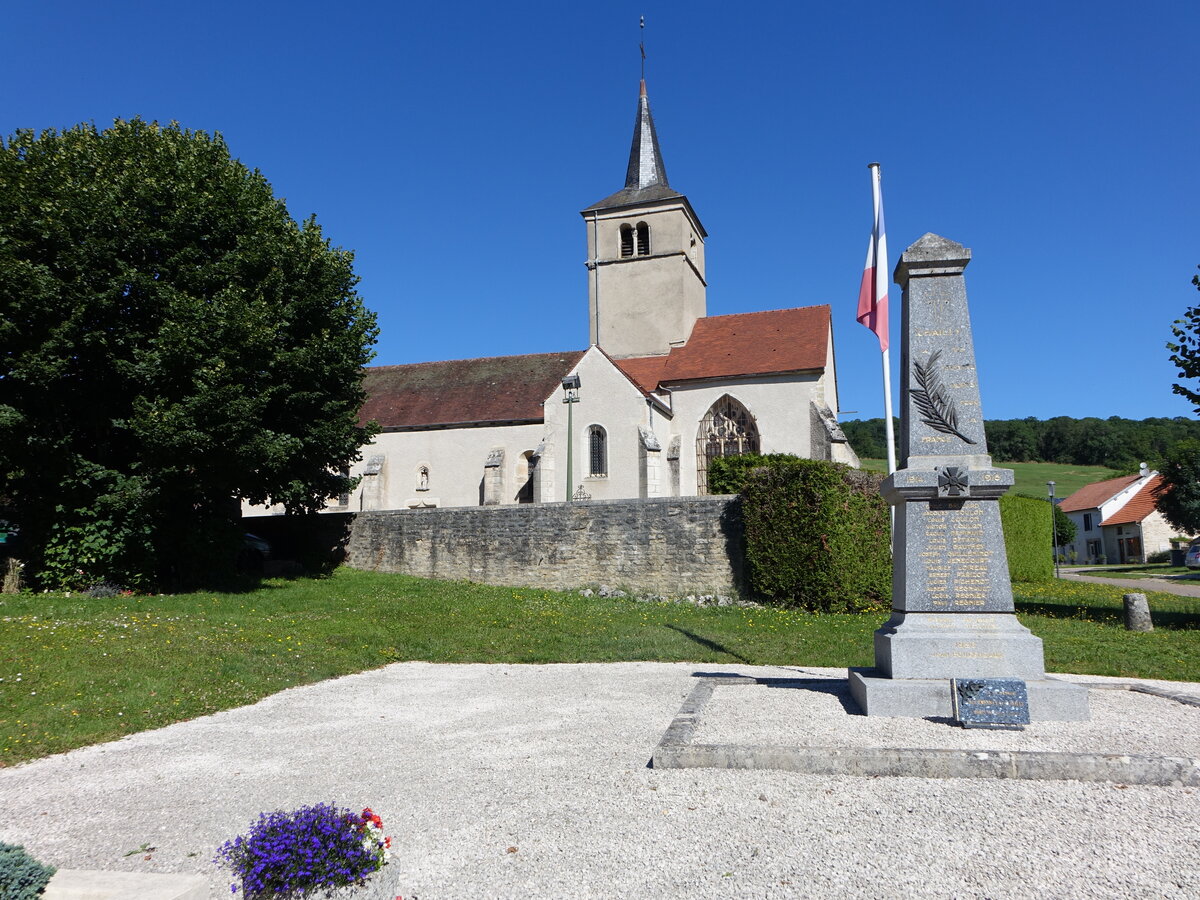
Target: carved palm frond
column 934, row 404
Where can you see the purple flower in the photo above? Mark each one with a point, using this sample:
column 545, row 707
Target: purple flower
column 309, row 852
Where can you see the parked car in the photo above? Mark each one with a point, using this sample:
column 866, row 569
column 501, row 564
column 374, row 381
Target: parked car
column 1192, row 558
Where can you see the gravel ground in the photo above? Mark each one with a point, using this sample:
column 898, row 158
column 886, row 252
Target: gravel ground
column 532, row 781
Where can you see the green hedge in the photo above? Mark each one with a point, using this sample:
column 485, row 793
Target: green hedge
column 727, row 474
column 1026, row 522
column 817, row 534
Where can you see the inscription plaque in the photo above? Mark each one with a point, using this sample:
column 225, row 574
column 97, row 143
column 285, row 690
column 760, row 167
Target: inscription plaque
column 990, row 702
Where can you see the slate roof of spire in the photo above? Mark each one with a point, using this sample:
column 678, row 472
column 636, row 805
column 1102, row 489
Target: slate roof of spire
column 646, row 176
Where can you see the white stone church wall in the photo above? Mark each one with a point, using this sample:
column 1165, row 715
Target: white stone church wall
column 456, row 459
column 608, row 399
column 779, row 405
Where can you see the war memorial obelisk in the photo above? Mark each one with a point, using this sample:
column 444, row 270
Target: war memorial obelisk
column 952, row 604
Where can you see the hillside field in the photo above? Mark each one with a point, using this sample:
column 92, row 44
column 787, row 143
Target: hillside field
column 1032, row 476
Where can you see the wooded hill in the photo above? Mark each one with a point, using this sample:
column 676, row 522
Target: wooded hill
column 1114, row 442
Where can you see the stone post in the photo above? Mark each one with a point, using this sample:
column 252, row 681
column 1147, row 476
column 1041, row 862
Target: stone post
column 1137, row 613
column 952, row 605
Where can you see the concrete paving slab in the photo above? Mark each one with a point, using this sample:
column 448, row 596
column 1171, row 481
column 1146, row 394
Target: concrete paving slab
column 78, row 884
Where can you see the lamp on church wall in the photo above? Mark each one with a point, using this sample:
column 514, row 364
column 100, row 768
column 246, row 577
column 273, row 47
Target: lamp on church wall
column 570, row 397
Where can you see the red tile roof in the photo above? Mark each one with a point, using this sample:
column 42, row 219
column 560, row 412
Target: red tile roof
column 758, row 343
column 644, row 371
column 1090, row 496
column 512, row 388
column 464, row 391
column 1139, row 506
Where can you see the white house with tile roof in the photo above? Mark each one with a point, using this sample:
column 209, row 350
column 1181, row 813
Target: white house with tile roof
column 1117, row 520
column 663, row 388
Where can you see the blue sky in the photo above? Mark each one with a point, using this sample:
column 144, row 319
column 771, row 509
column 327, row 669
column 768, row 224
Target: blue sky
column 452, row 145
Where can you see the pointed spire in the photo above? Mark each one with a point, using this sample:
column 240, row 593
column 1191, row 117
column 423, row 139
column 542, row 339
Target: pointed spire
column 645, row 158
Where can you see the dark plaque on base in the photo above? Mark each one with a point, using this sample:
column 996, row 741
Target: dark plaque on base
column 990, row 702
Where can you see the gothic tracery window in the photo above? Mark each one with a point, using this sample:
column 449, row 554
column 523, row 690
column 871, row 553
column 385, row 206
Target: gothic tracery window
column 727, row 429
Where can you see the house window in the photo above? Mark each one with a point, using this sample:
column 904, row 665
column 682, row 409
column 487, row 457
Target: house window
column 1087, row 521
column 727, row 429
column 626, row 241
column 597, row 452
column 643, row 239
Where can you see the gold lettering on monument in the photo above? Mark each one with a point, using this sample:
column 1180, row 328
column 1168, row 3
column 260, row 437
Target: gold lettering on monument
column 955, row 556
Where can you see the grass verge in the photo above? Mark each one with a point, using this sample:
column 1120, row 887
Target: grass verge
column 76, row 671
column 1152, row 570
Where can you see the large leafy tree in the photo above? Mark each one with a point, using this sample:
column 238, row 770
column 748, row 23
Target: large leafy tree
column 1185, row 349
column 1179, row 495
column 171, row 342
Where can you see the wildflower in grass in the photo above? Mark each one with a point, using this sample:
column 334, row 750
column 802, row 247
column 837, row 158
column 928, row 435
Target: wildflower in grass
column 310, row 852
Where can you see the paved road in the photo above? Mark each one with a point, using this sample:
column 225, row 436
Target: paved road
column 1176, row 585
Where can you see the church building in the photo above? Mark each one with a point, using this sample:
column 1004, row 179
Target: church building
column 662, row 389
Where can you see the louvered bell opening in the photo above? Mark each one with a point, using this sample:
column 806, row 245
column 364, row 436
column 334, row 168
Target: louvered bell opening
column 626, row 241
column 643, row 239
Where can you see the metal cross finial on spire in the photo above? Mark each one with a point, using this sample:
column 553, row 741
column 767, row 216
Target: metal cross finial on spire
column 642, row 44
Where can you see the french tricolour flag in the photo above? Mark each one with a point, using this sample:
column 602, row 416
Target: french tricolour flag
column 873, row 294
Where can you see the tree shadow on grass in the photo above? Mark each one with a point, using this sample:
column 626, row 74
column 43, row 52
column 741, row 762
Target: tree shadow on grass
column 709, row 644
column 1109, row 615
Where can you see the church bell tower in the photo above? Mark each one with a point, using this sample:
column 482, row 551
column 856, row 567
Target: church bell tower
column 645, row 246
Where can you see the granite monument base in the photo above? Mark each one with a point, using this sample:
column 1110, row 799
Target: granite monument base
column 1050, row 700
column 957, row 645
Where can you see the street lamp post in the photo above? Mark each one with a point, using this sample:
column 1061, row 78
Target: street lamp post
column 570, row 397
column 1053, row 526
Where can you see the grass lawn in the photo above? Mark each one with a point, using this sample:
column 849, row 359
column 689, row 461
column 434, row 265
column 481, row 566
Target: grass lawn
column 76, row 671
column 1152, row 570
column 1031, row 478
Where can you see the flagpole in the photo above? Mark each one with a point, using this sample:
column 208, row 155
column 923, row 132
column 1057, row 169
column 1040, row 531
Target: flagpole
column 882, row 275
column 887, row 408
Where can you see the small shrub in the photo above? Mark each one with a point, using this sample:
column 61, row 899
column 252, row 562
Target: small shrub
column 21, row 876
column 105, row 589
column 1161, row 556
column 307, row 853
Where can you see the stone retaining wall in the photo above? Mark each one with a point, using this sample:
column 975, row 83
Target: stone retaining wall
column 672, row 546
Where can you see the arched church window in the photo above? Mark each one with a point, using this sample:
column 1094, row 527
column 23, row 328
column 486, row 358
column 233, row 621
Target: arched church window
column 597, row 451
column 643, row 239
column 727, row 429
column 626, row 241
